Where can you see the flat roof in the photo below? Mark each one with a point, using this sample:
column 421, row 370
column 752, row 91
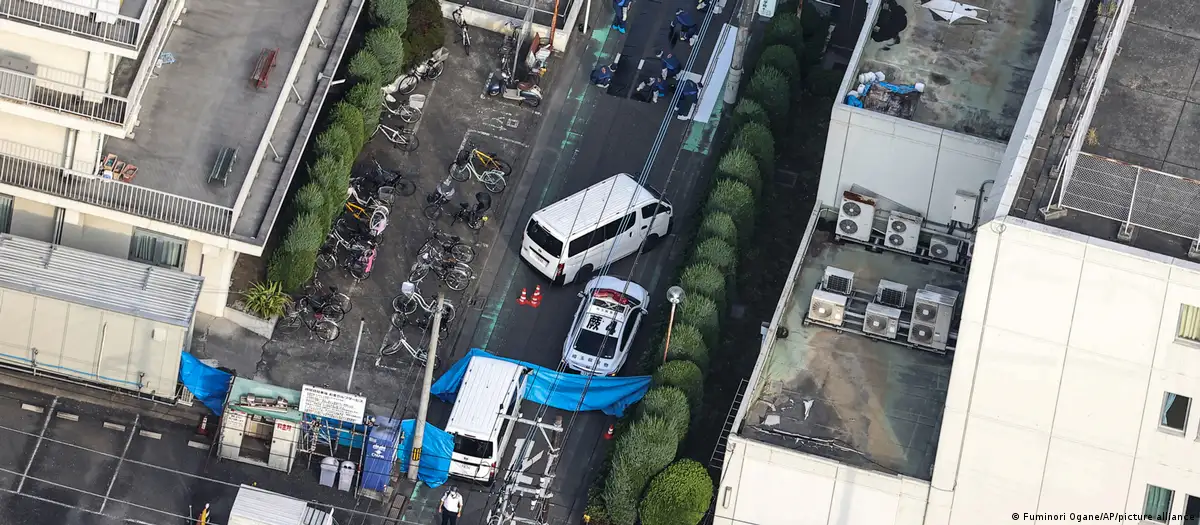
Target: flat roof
column 875, row 405
column 99, row 281
column 488, row 386
column 975, row 74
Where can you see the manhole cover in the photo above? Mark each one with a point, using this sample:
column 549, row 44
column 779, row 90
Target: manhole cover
column 738, row 311
column 786, row 178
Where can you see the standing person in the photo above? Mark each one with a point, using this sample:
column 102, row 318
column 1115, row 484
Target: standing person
column 451, row 506
column 683, row 28
column 620, row 12
column 670, row 65
column 689, row 92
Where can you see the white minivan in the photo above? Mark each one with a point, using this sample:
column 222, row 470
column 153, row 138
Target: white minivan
column 573, row 238
column 490, row 390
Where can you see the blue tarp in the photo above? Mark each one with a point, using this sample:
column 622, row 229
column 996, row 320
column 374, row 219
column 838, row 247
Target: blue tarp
column 610, row 395
column 902, row 89
column 436, row 447
column 208, row 384
column 348, row 434
column 381, row 454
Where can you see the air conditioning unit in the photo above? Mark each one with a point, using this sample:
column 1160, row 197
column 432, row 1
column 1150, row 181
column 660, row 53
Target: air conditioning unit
column 856, row 216
column 838, row 281
column 944, row 248
column 891, row 294
column 931, row 315
column 903, row 231
column 827, row 308
column 881, row 320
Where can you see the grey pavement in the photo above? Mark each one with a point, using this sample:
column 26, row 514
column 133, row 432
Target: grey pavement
column 230, row 345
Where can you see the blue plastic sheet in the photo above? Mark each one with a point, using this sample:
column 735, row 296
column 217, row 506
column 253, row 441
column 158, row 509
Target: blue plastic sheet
column 611, row 395
column 381, row 453
column 208, row 384
column 436, row 448
column 902, row 89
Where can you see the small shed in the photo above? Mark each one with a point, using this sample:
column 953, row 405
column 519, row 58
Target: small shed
column 255, row 506
column 92, row 317
column 261, row 424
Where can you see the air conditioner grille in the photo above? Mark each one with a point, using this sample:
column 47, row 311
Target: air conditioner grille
column 921, row 333
column 851, row 208
column 899, row 226
column 939, row 250
column 890, row 297
column 876, row 322
column 837, row 283
column 925, row 312
column 896, row 239
column 848, row 226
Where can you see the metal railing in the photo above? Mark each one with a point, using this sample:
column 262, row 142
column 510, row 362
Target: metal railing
column 62, row 97
column 72, row 18
column 1133, row 195
column 43, row 171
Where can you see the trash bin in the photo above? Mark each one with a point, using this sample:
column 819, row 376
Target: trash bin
column 329, row 470
column 346, row 476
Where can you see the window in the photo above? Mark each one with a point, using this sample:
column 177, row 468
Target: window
column 1189, row 323
column 1191, row 511
column 475, row 448
column 156, row 249
column 544, row 239
column 1175, row 412
column 6, row 212
column 602, row 234
column 650, row 210
column 1158, row 504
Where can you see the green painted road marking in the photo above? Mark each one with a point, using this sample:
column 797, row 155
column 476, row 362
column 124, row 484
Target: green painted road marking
column 700, row 135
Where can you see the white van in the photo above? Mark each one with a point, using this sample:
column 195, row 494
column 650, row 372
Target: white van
column 610, row 219
column 490, row 388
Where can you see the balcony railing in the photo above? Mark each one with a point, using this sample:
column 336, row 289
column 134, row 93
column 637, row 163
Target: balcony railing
column 89, row 21
column 62, row 97
column 43, row 171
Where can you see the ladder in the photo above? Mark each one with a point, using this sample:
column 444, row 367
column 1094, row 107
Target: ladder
column 718, row 456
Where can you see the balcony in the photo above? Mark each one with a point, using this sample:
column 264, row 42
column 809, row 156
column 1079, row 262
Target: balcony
column 85, row 18
column 49, row 172
column 62, row 92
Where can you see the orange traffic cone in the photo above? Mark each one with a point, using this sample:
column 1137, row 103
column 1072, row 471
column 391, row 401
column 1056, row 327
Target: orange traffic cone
column 524, row 298
column 202, row 428
column 536, row 301
column 608, row 434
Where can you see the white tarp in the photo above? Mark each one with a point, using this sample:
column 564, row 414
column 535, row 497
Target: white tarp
column 255, row 506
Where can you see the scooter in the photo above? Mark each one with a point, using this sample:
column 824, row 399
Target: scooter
column 502, row 84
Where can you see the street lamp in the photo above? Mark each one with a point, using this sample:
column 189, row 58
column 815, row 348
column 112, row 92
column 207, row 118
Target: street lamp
column 674, row 296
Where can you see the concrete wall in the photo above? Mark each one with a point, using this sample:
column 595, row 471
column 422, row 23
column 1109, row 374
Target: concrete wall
column 96, row 234
column 57, row 56
column 33, row 220
column 766, row 485
column 34, row 133
column 91, row 344
column 916, row 165
column 1066, row 350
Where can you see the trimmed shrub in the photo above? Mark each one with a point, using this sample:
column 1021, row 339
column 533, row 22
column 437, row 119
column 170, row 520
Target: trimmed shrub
column 720, row 225
column 326, row 171
column 679, row 495
column 784, row 29
column 717, row 252
column 645, row 449
column 704, row 279
column 701, row 312
column 688, row 345
column 748, row 110
column 770, row 88
column 350, row 119
column 388, row 46
column 783, row 58
column 365, row 68
column 329, row 174
column 390, row 13
column 685, row 376
column 426, row 31
column 336, row 144
column 736, row 199
column 311, row 199
column 739, row 163
column 756, row 139
column 294, row 261
column 369, row 100
column 669, row 403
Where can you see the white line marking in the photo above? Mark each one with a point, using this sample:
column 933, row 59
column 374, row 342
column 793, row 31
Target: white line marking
column 66, row 416
column 32, row 408
column 114, row 426
column 494, row 137
column 641, row 63
column 197, row 444
column 149, row 434
column 417, row 126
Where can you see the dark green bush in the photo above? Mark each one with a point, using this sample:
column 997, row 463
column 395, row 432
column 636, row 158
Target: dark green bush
column 679, row 495
column 740, row 163
column 332, row 176
column 770, row 88
column 736, row 199
column 388, row 46
column 717, row 252
column 669, row 403
column 336, row 143
column 756, row 139
column 390, row 13
column 426, row 30
column 685, row 376
column 645, row 449
column 688, row 345
column 365, row 68
column 369, row 100
column 293, row 263
column 783, row 58
column 702, row 313
column 311, row 199
column 349, row 118
column 705, row 280
column 748, row 110
column 784, row 29
column 720, row 225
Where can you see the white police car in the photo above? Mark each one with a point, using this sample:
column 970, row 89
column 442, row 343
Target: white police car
column 605, row 323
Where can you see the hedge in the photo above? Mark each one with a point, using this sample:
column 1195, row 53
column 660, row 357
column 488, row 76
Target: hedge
column 670, row 404
column 350, row 119
column 679, row 495
column 390, row 13
column 645, row 449
column 426, row 31
column 736, row 199
column 685, row 376
column 740, row 165
column 687, row 344
column 719, row 225
column 311, row 199
column 769, row 87
column 756, row 140
column 704, row 279
column 782, row 57
column 336, row 144
column 747, row 110
column 293, row 263
column 717, row 252
column 702, row 313
column 365, row 68
column 388, row 46
column 369, row 99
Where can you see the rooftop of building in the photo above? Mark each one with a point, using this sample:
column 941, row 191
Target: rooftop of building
column 975, row 73
column 1137, row 161
column 841, row 395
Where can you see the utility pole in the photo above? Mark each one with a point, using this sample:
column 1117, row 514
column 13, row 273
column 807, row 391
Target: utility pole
column 745, row 20
column 423, row 410
column 362, row 323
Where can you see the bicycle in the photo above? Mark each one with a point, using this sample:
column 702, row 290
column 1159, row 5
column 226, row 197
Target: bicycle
column 442, row 244
column 462, row 26
column 410, row 299
column 301, row 313
column 375, row 217
column 421, row 354
column 455, row 274
column 327, row 299
column 410, row 112
column 509, row 47
column 360, row 261
column 404, row 139
column 440, row 197
column 389, row 183
column 430, row 69
column 492, row 176
column 473, row 216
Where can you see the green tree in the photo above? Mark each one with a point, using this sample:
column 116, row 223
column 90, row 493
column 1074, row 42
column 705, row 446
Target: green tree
column 369, row 100
column 388, row 46
column 365, row 68
column 426, row 31
column 747, row 110
column 669, row 403
column 685, row 376
column 641, row 452
column 293, row 262
column 705, row 280
column 702, row 313
column 756, row 139
column 350, row 119
column 720, row 225
column 337, row 144
column 390, row 13
column 687, row 345
column 679, row 495
column 740, row 163
column 783, row 58
column 784, row 29
column 770, row 88
column 333, row 177
column 717, row 252
column 736, row 199
column 311, row 199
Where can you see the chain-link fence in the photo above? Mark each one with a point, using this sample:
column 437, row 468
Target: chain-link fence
column 1139, row 196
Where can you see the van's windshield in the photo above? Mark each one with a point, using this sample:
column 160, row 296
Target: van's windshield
column 544, row 239
column 472, row 447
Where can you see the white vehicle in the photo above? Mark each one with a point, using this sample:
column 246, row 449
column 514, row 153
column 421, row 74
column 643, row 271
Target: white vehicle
column 604, row 326
column 490, row 390
column 574, row 238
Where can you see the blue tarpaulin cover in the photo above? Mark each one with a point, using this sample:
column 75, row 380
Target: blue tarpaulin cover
column 381, row 453
column 436, row 447
column 208, row 384
column 610, row 395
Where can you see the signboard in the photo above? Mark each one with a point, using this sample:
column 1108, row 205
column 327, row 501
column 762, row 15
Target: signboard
column 333, row 404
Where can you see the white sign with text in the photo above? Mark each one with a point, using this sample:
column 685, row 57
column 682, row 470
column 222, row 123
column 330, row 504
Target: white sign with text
column 332, row 404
